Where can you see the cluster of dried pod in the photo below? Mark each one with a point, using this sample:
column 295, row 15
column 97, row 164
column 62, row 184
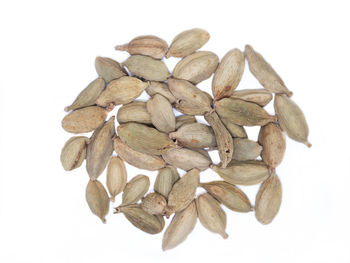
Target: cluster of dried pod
column 151, row 137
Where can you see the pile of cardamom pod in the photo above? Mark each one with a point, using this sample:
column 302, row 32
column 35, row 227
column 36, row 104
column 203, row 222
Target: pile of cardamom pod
column 151, row 137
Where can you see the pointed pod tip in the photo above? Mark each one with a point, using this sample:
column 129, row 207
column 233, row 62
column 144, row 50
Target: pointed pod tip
column 66, row 109
column 289, row 93
column 224, row 235
column 112, row 199
column 121, row 47
column 104, row 221
column 308, row 144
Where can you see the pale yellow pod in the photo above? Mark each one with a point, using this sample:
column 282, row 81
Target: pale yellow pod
column 116, row 176
column 245, row 150
column 97, row 199
column 135, row 189
column 109, row 69
column 154, row 204
column 259, row 96
column 73, row 152
column 135, row 111
column 161, row 88
column 228, row 74
column 165, row 180
column 186, row 159
column 184, row 119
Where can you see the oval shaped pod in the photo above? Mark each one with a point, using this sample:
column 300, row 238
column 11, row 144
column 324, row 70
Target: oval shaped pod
column 235, row 130
column 292, row 119
column 272, row 139
column 184, row 119
column 109, row 69
column 137, row 159
column 196, row 67
column 134, row 112
column 180, row 227
column 187, row 42
column 161, row 88
column 165, row 180
column 243, row 113
column 268, row 200
column 162, row 114
column 151, row 224
column 195, row 135
column 228, row 74
column 264, row 73
column 121, row 91
column 245, row 150
column 99, row 149
column 144, row 139
column 88, row 95
column 211, row 215
column 147, row 68
column 135, row 189
column 243, row 173
column 147, row 45
column 154, row 204
column 186, row 159
column 229, row 195
column 116, row 177
column 73, row 152
column 259, row 96
column 84, row 120
column 97, row 199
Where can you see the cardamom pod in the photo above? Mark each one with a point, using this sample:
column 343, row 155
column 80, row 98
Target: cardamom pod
column 180, row 227
column 135, row 189
column 211, row 215
column 292, row 119
column 268, row 200
column 186, row 159
column 147, row 68
column 203, row 152
column 195, row 135
column 162, row 114
column 259, row 96
column 243, row 113
column 73, row 152
column 229, row 195
column 135, row 111
column 88, row 95
column 245, row 150
column 144, row 139
column 116, row 177
column 272, row 139
column 165, row 180
column 161, row 88
column 109, row 69
column 196, row 67
column 148, row 45
column 84, row 120
column 187, row 42
column 235, row 130
column 121, row 91
column 184, row 119
column 154, row 204
column 243, row 173
column 228, row 74
column 97, row 199
column 264, row 73
column 100, row 149
column 137, row 159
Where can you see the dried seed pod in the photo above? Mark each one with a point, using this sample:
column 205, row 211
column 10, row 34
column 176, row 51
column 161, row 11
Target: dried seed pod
column 229, row 195
column 187, row 42
column 84, row 120
column 152, row 224
column 88, row 95
column 147, row 67
column 203, row 152
column 186, row 159
column 264, row 73
column 162, row 89
column 195, row 135
column 243, row 113
column 180, row 227
column 162, row 114
column 191, row 100
column 165, row 180
column 100, row 149
column 235, row 130
column 292, row 119
column 273, row 141
column 137, row 159
column 97, row 199
column 228, row 74
column 73, row 152
column 268, row 200
column 144, row 139
column 245, row 150
column 134, row 112
column 259, row 96
column 196, row 67
column 243, row 173
column 183, row 191
column 184, row 119
column 121, row 91
column 223, row 138
column 109, row 69
column 211, row 215
column 148, row 45
column 116, row 176
column 135, row 189
column 154, row 204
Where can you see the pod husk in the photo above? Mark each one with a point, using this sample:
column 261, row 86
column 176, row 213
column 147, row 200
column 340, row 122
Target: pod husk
column 245, row 150
column 97, row 199
column 259, row 96
column 135, row 189
column 135, row 111
column 161, row 88
column 162, row 114
column 235, row 130
column 154, row 204
column 186, row 159
column 116, row 177
column 109, row 69
column 184, row 119
column 165, row 180
column 74, row 152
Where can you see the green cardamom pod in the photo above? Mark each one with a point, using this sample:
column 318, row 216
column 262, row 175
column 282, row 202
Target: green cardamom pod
column 109, row 69
column 135, row 189
column 135, row 111
column 116, row 176
column 165, row 180
column 259, row 96
column 97, row 199
column 73, row 152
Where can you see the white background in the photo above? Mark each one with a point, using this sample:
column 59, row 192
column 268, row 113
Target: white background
column 47, row 52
